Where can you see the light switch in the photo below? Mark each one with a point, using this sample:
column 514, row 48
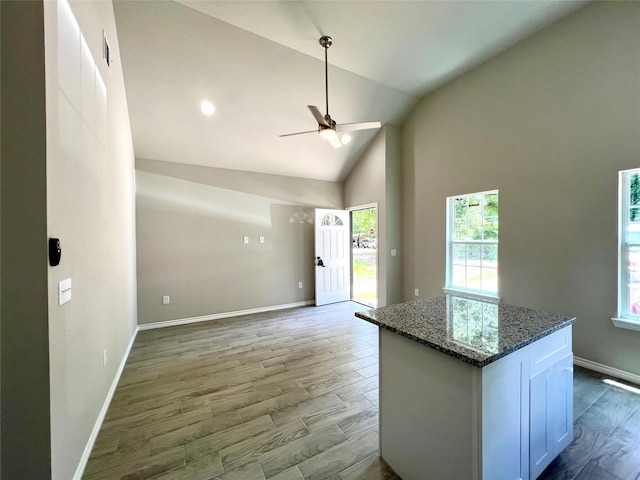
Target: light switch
column 261, row 239
column 393, row 252
column 245, row 240
column 64, row 291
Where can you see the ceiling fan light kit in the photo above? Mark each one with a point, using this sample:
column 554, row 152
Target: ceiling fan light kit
column 331, row 135
column 327, row 127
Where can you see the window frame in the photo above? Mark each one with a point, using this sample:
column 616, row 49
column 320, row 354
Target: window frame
column 455, row 289
column 625, row 319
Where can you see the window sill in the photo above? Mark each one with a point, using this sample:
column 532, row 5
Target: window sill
column 626, row 323
column 485, row 297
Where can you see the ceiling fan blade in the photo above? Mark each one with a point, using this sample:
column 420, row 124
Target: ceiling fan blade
column 298, row 133
column 350, row 127
column 318, row 116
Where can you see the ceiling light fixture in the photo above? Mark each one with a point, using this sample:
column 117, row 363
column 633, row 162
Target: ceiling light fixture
column 331, row 135
column 207, row 108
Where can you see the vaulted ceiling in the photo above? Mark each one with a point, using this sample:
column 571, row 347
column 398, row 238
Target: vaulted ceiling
column 260, row 63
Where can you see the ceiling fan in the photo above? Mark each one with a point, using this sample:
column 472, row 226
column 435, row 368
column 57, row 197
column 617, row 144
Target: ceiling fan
column 327, row 127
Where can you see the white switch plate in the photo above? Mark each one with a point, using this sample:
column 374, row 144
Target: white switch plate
column 64, row 291
column 245, row 240
column 166, row 299
column 299, row 284
column 104, row 358
column 393, row 252
column 417, row 293
column 261, row 239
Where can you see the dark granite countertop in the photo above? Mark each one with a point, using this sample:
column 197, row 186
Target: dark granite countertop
column 473, row 331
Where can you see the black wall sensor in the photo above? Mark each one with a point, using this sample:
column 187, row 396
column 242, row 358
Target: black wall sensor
column 55, row 252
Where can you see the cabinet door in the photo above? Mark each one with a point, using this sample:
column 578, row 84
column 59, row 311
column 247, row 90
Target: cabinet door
column 505, row 418
column 551, row 414
column 561, row 399
column 540, row 448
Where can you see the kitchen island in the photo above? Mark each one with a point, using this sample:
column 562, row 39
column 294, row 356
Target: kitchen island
column 472, row 389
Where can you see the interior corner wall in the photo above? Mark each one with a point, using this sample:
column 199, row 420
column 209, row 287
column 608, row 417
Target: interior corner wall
column 25, row 394
column 393, row 217
column 549, row 123
column 91, row 209
column 376, row 179
column 191, row 221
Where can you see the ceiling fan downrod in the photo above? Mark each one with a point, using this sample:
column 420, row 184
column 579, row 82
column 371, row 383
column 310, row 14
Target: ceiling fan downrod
column 326, row 42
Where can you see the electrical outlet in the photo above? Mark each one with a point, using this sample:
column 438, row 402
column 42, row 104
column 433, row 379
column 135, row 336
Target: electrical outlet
column 245, row 240
column 299, row 284
column 394, row 252
column 166, row 299
column 104, row 357
column 417, row 292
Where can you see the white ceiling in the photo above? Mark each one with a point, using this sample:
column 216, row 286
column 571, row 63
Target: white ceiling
column 261, row 64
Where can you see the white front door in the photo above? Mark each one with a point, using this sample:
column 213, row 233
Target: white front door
column 333, row 247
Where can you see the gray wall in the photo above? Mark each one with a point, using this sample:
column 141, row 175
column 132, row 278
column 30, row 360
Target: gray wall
column 67, row 172
column 549, row 123
column 90, row 207
column 393, row 213
column 377, row 179
column 24, row 412
column 191, row 221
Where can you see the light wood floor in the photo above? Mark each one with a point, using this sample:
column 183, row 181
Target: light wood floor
column 293, row 395
column 285, row 395
column 606, row 432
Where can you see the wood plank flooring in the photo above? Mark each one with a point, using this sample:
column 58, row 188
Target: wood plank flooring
column 606, row 431
column 293, row 395
column 286, row 395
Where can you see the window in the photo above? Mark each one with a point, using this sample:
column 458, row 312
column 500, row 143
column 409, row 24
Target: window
column 331, row 220
column 472, row 243
column 629, row 250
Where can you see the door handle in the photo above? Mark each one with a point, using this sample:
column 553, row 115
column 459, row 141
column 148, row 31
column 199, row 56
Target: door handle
column 319, row 262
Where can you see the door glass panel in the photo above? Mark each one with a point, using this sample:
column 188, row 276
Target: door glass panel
column 364, row 243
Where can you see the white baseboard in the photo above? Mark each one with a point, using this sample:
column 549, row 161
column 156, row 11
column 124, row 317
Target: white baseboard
column 217, row 316
column 103, row 412
column 614, row 372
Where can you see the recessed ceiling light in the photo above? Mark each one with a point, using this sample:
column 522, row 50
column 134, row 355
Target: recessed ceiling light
column 207, row 108
column 346, row 138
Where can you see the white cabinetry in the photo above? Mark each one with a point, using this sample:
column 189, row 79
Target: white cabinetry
column 551, row 399
column 443, row 418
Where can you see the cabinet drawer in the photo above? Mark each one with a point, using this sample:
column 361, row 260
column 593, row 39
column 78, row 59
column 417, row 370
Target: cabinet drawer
column 548, row 350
